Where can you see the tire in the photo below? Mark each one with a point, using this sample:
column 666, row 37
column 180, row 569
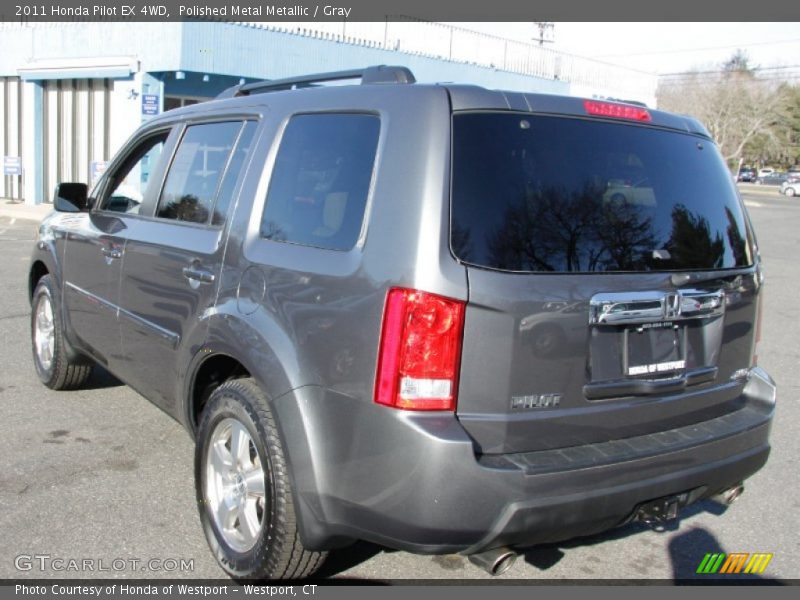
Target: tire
column 245, row 497
column 789, row 191
column 56, row 364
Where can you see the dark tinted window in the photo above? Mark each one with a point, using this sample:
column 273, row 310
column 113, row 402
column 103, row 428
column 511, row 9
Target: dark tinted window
column 195, row 172
column 533, row 193
column 232, row 173
column 321, row 180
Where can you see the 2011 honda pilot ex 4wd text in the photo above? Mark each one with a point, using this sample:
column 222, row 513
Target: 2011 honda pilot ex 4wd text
column 435, row 317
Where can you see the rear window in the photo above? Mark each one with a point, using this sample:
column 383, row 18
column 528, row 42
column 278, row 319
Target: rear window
column 554, row 194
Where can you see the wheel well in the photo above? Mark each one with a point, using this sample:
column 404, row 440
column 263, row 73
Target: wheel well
column 38, row 270
column 215, row 371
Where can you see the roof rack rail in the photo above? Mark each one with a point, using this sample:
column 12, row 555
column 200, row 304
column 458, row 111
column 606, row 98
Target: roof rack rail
column 368, row 75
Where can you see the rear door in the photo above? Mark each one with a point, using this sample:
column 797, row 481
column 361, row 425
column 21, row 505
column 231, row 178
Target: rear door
column 612, row 286
column 174, row 255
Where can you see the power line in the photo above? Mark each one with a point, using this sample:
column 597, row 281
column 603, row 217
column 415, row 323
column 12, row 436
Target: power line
column 704, row 80
column 721, row 71
column 792, row 79
column 683, row 51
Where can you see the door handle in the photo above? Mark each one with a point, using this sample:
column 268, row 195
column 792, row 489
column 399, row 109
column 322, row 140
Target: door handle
column 111, row 252
column 197, row 274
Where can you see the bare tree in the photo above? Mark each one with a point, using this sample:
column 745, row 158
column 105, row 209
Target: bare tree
column 736, row 106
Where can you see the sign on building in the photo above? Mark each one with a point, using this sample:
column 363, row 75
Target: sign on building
column 150, row 104
column 96, row 169
column 12, row 165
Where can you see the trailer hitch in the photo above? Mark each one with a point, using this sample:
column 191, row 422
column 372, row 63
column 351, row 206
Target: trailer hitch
column 657, row 513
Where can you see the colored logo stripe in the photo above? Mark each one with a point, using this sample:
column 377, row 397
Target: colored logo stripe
column 733, row 563
column 758, row 563
column 710, row 563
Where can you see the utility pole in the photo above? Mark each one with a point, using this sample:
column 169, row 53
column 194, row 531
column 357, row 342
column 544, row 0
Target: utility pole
column 546, row 31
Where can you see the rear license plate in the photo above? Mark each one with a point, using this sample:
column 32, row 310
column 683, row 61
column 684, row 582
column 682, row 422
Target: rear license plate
column 654, row 349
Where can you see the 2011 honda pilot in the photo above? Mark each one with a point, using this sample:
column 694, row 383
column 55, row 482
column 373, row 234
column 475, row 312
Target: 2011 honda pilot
column 436, row 317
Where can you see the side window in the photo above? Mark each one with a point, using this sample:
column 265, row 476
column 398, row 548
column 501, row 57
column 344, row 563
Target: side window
column 196, row 170
column 232, row 173
column 321, row 180
column 128, row 184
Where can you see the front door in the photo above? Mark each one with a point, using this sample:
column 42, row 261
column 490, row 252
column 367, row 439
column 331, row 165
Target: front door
column 95, row 250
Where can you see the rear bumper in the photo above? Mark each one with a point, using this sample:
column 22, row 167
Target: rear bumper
column 412, row 481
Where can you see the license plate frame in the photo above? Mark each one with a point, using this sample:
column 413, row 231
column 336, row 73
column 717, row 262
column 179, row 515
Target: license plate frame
column 657, row 349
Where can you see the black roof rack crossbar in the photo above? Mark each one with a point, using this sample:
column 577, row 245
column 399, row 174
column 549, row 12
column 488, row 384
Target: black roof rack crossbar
column 368, row 75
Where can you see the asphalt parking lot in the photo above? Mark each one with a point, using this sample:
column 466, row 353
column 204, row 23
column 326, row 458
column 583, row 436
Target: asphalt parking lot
column 101, row 474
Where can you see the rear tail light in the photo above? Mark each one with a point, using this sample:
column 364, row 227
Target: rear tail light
column 420, row 351
column 617, row 111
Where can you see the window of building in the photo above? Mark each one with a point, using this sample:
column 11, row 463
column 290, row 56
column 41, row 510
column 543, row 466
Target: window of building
column 171, row 102
column 321, row 180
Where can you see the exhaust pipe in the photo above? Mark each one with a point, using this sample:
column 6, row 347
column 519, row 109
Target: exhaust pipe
column 729, row 496
column 495, row 561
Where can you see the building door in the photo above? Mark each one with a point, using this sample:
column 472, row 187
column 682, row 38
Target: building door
column 11, row 118
column 76, row 127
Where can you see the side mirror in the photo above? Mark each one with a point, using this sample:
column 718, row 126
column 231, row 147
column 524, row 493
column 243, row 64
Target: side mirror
column 71, row 197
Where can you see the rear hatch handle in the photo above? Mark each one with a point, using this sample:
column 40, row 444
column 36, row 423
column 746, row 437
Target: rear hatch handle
column 649, row 307
column 631, row 308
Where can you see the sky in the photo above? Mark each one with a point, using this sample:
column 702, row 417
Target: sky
column 660, row 48
column 667, row 47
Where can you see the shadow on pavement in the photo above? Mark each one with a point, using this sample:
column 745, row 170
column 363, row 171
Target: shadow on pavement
column 686, row 549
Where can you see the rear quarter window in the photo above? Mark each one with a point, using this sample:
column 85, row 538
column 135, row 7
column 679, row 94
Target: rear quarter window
column 321, row 180
column 537, row 193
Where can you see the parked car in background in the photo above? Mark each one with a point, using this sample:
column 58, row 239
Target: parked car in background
column 791, row 187
column 633, row 190
column 766, row 171
column 747, row 175
column 774, row 178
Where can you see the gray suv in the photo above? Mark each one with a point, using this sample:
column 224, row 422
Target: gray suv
column 435, row 317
